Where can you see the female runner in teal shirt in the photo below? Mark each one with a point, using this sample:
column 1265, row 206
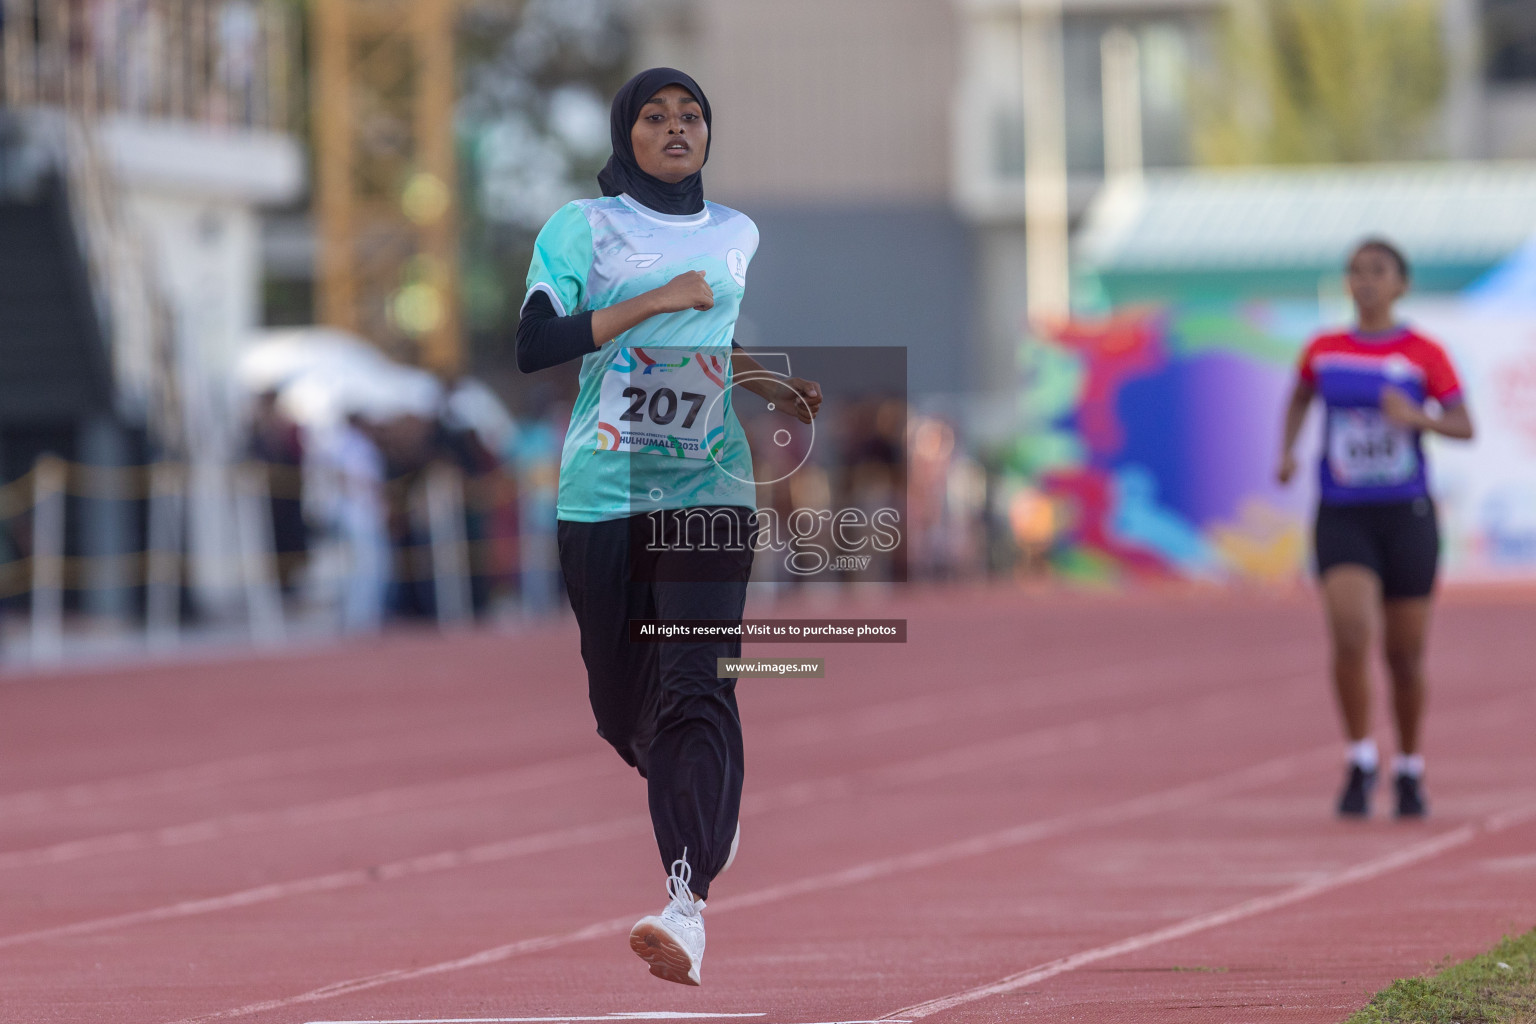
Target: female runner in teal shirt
column 657, row 502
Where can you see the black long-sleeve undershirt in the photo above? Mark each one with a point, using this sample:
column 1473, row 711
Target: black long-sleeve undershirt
column 545, row 338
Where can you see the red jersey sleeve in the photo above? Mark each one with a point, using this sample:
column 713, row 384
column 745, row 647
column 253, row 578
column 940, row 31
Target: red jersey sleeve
column 1440, row 380
column 1304, row 368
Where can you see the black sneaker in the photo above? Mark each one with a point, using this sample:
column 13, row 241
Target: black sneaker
column 1355, row 801
column 1410, row 797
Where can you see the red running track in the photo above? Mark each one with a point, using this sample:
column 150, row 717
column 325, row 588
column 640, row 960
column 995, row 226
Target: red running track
column 1039, row 808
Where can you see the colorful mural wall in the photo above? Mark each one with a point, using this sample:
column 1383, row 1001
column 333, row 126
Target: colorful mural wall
column 1487, row 489
column 1153, row 436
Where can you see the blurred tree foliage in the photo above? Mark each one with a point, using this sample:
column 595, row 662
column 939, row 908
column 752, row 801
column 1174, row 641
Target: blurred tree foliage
column 1322, row 81
column 531, row 120
column 534, row 83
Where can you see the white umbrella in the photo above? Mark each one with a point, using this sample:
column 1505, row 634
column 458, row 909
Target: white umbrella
column 472, row 405
column 325, row 395
column 277, row 358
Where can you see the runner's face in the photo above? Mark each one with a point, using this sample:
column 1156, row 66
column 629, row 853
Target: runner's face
column 669, row 136
column 1374, row 281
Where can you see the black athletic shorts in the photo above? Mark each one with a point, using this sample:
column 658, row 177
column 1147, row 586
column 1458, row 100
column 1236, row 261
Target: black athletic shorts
column 1399, row 541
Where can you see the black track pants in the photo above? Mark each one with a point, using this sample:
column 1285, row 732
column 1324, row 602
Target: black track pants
column 660, row 704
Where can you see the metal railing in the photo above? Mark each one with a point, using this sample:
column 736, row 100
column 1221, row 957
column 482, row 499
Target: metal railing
column 216, row 62
column 41, row 568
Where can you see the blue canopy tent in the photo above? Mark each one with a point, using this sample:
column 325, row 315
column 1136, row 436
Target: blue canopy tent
column 1509, row 287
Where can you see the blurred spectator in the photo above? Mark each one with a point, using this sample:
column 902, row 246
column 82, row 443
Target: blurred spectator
column 468, row 443
column 238, row 32
column 408, row 442
column 78, row 40
column 945, row 497
column 277, row 443
column 479, row 434
column 933, row 446
column 351, row 458
column 873, row 470
column 143, row 34
column 534, row 456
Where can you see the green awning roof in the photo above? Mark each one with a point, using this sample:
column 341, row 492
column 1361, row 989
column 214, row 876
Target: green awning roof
column 1253, row 220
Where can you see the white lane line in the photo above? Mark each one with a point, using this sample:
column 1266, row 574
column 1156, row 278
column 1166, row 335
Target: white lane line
column 808, row 729
column 866, row 721
column 1196, row 793
column 1053, row 740
column 1502, row 865
column 292, row 761
column 639, row 1015
column 446, row 860
column 323, row 812
column 1509, row 819
column 636, row 1015
column 256, row 767
column 1177, row 798
column 1055, row 688
column 1363, row 872
column 223, row 772
column 894, row 715
column 1045, row 690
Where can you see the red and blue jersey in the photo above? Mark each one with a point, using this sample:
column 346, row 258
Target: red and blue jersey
column 1366, row 457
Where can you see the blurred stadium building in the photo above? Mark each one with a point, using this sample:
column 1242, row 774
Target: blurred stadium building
column 141, row 141
column 983, row 182
column 1022, row 194
column 881, row 146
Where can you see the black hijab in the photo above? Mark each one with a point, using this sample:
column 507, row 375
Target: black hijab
column 622, row 174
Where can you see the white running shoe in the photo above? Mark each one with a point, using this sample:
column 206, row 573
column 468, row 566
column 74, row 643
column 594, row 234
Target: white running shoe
column 673, row 941
column 730, row 858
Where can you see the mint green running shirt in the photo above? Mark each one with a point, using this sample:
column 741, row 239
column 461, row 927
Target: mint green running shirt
column 653, row 426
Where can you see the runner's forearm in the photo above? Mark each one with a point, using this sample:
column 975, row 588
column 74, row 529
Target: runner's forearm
column 1454, row 422
column 611, row 321
column 1295, row 416
column 752, row 375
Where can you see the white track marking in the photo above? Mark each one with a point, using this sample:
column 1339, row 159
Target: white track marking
column 1179, row 797
column 1265, row 773
column 485, row 853
column 1056, row 739
column 1501, row 865
column 1363, row 872
column 895, row 715
column 323, row 812
column 1511, row 818
column 225, row 771
column 638, row 1015
column 1052, row 740
column 1044, row 690
column 867, row 721
column 871, row 719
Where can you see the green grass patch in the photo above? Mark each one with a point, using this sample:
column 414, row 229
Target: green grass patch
column 1498, row 987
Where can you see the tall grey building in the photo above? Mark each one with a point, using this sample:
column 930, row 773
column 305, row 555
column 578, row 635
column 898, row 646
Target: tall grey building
column 880, row 145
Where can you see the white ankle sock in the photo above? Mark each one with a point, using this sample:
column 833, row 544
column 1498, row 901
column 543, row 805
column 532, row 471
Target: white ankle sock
column 1364, row 754
column 1411, row 765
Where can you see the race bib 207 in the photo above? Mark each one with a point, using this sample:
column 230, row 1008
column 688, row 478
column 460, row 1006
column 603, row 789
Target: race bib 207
column 662, row 401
